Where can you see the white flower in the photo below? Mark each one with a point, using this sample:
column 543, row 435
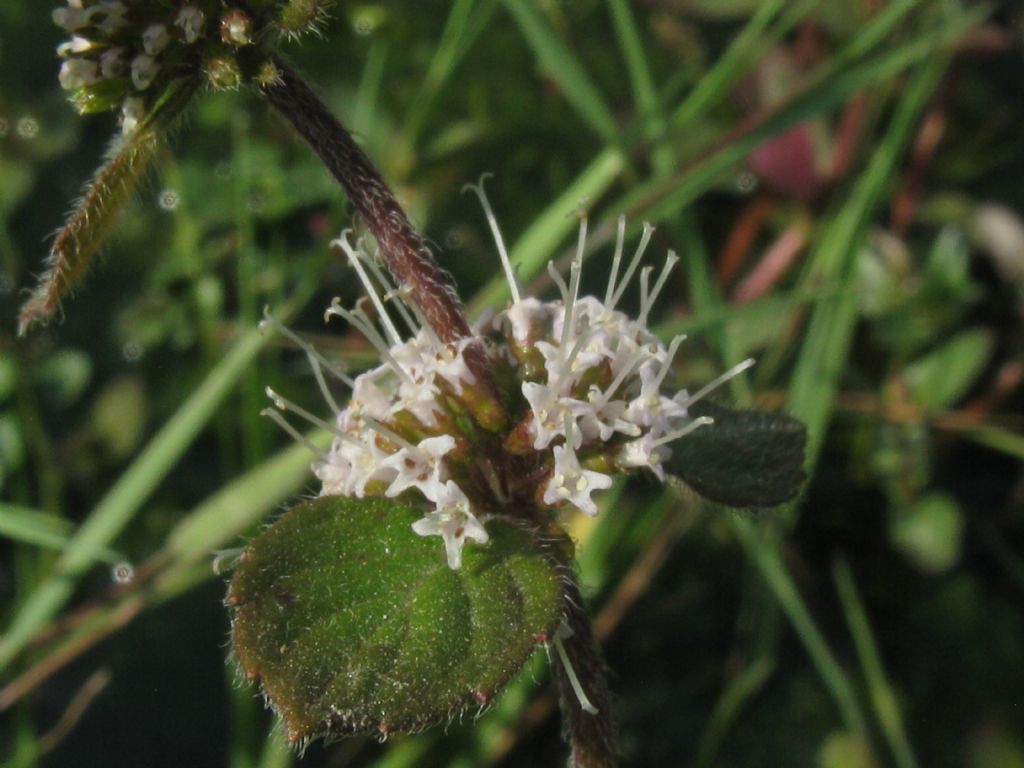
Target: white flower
column 133, row 109
column 154, row 39
column 71, row 19
column 643, row 453
column 76, row 44
column 113, row 63
column 367, row 461
column 107, row 17
column 421, row 467
column 583, row 382
column 144, row 71
column 78, row 73
column 190, row 20
column 570, row 482
column 524, row 315
column 453, row 520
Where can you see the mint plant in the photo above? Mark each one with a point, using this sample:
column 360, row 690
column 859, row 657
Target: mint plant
column 482, row 433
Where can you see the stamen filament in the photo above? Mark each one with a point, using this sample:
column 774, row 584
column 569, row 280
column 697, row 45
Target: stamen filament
column 645, row 238
column 492, row 222
column 305, row 346
column 390, row 434
column 627, row 369
column 391, row 292
column 283, row 404
column 667, row 365
column 569, row 323
column 662, row 278
column 693, row 425
column 620, row 239
column 563, row 289
column 574, row 681
column 431, row 336
column 736, row 370
column 362, row 323
column 292, row 432
column 371, row 289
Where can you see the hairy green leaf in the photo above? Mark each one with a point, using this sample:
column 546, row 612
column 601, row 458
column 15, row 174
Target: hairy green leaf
column 744, row 459
column 354, row 624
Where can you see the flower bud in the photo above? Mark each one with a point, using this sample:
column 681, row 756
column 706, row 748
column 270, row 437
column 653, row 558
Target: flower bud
column 236, row 28
column 223, row 72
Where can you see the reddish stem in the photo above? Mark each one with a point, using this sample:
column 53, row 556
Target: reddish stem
column 404, row 251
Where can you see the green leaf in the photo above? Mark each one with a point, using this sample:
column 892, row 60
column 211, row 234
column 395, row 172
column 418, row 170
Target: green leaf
column 354, row 624
column 939, row 379
column 744, row 459
column 930, row 532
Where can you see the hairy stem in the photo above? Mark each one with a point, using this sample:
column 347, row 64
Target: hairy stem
column 88, row 225
column 406, row 254
column 591, row 735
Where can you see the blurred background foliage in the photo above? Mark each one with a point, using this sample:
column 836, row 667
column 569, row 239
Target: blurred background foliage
column 842, row 181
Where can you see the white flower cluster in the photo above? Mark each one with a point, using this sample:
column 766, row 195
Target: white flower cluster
column 591, row 390
column 106, row 49
column 600, row 390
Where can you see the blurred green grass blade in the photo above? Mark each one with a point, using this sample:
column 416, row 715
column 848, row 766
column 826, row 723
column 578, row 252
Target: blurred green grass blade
column 561, row 65
column 214, row 524
column 41, row 529
column 873, row 33
column 644, row 93
column 237, row 506
column 535, row 247
column 124, row 500
column 737, row 60
column 407, row 753
column 661, row 198
column 883, row 698
column 277, row 753
column 741, row 689
column 765, row 555
column 456, row 37
column 824, row 352
column 999, row 439
column 368, row 93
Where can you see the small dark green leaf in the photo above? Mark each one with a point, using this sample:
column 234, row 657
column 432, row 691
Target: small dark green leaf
column 744, row 459
column 353, row 623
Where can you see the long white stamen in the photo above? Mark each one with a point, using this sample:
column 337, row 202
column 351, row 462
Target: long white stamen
column 667, row 365
column 424, row 324
column 371, row 289
column 630, row 364
column 563, row 289
column 581, row 696
column 653, row 297
column 292, row 432
column 492, row 222
column 333, row 368
column 316, row 360
column 707, row 389
column 283, row 404
column 569, row 322
column 390, row 434
column 391, row 293
column 620, row 239
column 580, row 341
column 645, row 238
column 362, row 323
column 645, row 292
column 693, row 425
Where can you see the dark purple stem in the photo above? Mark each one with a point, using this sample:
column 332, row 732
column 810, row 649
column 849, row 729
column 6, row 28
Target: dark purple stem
column 590, row 736
column 404, row 251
